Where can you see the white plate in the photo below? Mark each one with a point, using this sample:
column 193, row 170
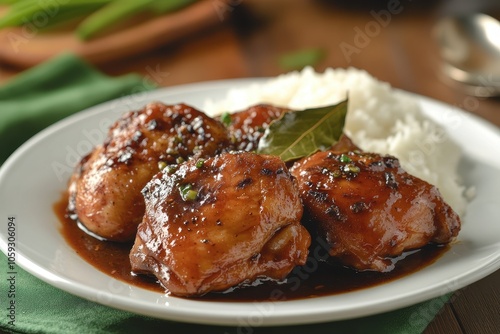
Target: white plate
column 36, row 174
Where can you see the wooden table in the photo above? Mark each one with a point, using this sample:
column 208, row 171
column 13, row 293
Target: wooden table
column 398, row 48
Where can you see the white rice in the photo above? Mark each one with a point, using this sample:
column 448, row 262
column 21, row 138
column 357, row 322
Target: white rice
column 379, row 119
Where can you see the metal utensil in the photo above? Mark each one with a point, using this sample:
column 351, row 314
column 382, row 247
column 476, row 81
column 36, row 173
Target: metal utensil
column 470, row 49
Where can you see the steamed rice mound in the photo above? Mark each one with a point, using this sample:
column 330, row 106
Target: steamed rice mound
column 380, row 119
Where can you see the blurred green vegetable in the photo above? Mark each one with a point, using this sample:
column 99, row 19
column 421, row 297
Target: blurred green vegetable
column 97, row 15
column 120, row 10
column 300, row 59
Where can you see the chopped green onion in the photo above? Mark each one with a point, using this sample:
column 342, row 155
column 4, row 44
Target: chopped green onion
column 98, row 14
column 162, row 6
column 24, row 11
column 171, row 150
column 119, row 10
column 187, row 193
column 185, row 187
column 345, row 158
column 162, row 165
column 112, row 13
column 190, row 195
column 179, row 160
column 171, row 169
column 200, row 163
column 351, row 168
column 226, row 119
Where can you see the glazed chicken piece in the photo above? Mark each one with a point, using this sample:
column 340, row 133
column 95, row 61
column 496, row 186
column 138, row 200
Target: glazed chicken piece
column 214, row 224
column 105, row 190
column 369, row 209
column 248, row 126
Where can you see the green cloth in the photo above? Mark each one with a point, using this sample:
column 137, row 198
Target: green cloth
column 65, row 85
column 42, row 308
column 47, row 93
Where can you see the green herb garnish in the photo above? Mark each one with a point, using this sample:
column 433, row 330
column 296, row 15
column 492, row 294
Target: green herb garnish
column 351, row 168
column 301, row 133
column 171, row 169
column 162, row 165
column 345, row 158
column 226, row 119
column 200, row 163
column 187, row 193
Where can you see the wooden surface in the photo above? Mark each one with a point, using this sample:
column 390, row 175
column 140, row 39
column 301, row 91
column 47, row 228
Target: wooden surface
column 30, row 45
column 254, row 34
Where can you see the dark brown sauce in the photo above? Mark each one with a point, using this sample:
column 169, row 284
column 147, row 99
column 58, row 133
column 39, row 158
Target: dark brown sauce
column 315, row 278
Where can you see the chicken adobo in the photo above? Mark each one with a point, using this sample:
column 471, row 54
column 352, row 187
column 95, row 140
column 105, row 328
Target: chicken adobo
column 369, row 209
column 213, row 224
column 105, row 190
column 208, row 214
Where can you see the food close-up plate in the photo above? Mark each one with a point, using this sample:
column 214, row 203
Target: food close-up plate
column 36, row 175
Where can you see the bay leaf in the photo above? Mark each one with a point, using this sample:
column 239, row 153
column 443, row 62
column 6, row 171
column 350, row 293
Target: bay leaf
column 301, row 133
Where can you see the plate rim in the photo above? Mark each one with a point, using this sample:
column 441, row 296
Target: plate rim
column 390, row 304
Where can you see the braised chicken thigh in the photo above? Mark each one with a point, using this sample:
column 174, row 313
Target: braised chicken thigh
column 207, row 215
column 105, row 190
column 369, row 209
column 213, row 224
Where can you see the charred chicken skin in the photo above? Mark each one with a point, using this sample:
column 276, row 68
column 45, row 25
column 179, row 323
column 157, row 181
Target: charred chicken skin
column 105, row 190
column 211, row 225
column 369, row 209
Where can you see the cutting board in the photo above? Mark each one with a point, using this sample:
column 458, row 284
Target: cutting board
column 25, row 47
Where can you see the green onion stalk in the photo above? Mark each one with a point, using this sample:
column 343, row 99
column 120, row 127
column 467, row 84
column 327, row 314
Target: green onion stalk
column 95, row 15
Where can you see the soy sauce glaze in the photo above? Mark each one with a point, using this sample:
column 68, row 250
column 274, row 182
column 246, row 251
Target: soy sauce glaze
column 315, row 278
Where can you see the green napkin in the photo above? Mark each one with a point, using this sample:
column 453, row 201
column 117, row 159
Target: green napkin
column 47, row 93
column 66, row 85
column 41, row 308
